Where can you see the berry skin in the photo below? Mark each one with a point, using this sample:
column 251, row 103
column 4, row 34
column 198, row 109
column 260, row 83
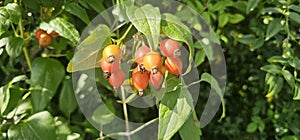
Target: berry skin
column 54, row 34
column 156, row 80
column 109, row 67
column 152, row 61
column 140, row 81
column 117, row 78
column 173, row 65
column 140, row 53
column 112, row 53
column 169, row 48
column 44, row 39
column 39, row 32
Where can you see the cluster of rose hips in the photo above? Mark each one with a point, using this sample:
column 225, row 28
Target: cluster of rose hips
column 44, row 38
column 151, row 65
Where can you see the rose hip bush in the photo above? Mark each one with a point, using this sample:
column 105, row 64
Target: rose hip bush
column 260, row 41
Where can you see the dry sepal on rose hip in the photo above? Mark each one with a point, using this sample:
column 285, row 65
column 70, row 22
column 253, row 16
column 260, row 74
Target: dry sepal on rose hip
column 170, row 48
column 112, row 53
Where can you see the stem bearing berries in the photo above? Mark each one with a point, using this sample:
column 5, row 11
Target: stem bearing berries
column 112, row 53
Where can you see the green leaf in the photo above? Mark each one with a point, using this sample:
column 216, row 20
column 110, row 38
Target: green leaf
column 200, row 57
column 4, row 41
column 235, row 18
column 289, row 78
column 67, row 100
column 46, row 76
column 146, row 20
column 212, row 81
column 297, row 92
column 14, row 46
column 247, row 39
column 294, row 16
column 12, row 96
column 295, row 62
column 104, row 114
column 276, row 86
column 277, row 59
column 252, row 4
column 39, row 126
column 273, row 28
column 295, row 8
column 190, row 130
column 14, row 12
column 272, row 68
column 289, row 138
column 272, row 10
column 259, row 42
column 32, row 4
column 88, row 52
column 251, row 127
column 63, row 28
column 222, row 20
column 174, row 109
column 96, row 5
column 78, row 11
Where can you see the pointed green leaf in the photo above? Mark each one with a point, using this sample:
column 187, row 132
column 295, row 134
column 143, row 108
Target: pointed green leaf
column 88, row 52
column 289, row 78
column 252, row 4
column 46, row 76
column 235, row 18
column 222, row 20
column 247, row 39
column 294, row 16
column 14, row 11
column 174, row 109
column 14, row 46
column 297, row 92
column 190, row 130
column 251, row 127
column 78, row 11
column 273, row 28
column 39, row 126
column 200, row 57
column 63, row 27
column 272, row 68
column 295, row 62
column 277, row 59
column 67, row 100
column 212, row 81
column 147, row 21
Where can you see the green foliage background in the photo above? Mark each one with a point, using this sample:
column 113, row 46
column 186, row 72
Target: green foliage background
column 260, row 40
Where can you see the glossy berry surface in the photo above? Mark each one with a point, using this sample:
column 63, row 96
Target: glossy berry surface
column 109, row 67
column 169, row 48
column 140, row 81
column 45, row 40
column 152, row 61
column 173, row 65
column 117, row 78
column 112, row 53
column 140, row 53
column 156, row 80
column 39, row 32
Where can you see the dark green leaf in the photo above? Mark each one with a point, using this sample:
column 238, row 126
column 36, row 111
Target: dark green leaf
column 147, row 21
column 67, row 100
column 289, row 78
column 12, row 97
column 295, row 8
column 97, row 5
column 200, row 57
column 295, row 62
column 222, row 20
column 235, row 18
column 174, row 110
column 252, row 4
column 39, row 126
column 294, row 16
column 190, row 130
column 14, row 46
column 297, row 92
column 46, row 76
column 14, row 12
column 247, row 39
column 277, row 59
column 276, row 87
column 32, row 4
column 273, row 28
column 104, row 114
column 272, row 68
column 251, row 127
column 88, row 54
column 272, row 10
column 78, row 11
column 259, row 42
column 289, row 138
